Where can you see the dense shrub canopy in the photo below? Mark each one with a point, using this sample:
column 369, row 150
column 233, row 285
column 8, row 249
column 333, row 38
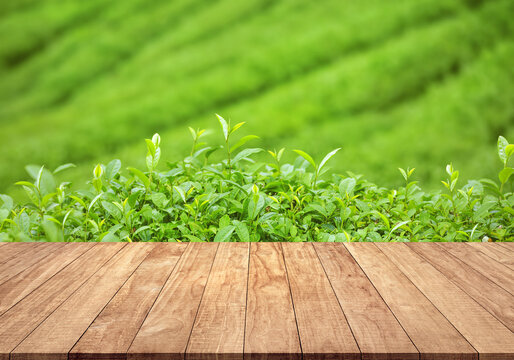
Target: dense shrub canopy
column 240, row 199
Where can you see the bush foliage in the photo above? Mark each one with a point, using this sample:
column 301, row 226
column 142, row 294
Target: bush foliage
column 240, row 199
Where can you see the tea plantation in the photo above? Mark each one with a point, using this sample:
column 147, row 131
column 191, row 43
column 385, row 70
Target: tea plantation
column 395, row 84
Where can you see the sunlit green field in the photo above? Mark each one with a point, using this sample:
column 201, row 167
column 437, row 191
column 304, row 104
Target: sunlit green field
column 406, row 83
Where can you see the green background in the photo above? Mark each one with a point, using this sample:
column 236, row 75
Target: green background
column 404, row 83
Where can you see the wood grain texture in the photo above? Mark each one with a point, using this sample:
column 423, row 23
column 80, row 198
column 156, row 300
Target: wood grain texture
column 377, row 331
column 17, row 264
column 507, row 245
column 20, row 320
column 54, row 338
column 483, row 331
column 271, row 331
column 19, row 286
column 493, row 298
column 218, row 332
column 432, row 334
column 166, row 330
column 322, row 326
column 496, row 252
column 112, row 332
column 13, row 249
column 256, row 301
column 499, row 273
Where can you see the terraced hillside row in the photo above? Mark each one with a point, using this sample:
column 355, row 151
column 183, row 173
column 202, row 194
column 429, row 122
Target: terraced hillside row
column 396, row 84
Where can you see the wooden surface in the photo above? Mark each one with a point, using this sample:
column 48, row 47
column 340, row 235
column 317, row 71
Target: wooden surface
column 256, row 301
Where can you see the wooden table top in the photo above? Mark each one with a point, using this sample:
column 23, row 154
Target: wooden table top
column 256, row 301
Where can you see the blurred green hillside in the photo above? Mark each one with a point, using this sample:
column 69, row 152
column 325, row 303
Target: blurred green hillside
column 400, row 83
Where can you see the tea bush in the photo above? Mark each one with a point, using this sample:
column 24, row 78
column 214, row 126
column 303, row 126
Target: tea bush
column 240, row 199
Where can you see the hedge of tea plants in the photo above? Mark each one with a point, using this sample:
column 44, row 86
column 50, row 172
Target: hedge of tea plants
column 244, row 199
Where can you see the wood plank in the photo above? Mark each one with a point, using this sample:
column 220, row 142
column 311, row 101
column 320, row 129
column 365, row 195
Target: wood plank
column 11, row 249
column 112, row 332
column 432, row 334
column 377, row 331
column 322, row 326
column 495, row 252
column 218, row 332
column 271, row 331
column 20, row 320
column 507, row 245
column 20, row 262
column 19, row 286
column 484, row 332
column 499, row 273
column 53, row 337
column 166, row 330
column 493, row 298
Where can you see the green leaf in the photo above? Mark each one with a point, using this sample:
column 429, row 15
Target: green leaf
column 150, row 146
column 223, row 234
column 242, row 141
column 193, row 132
column 112, row 169
column 52, row 231
column 33, row 170
column 24, row 222
column 502, row 144
column 64, row 167
column 326, row 158
column 255, row 206
column 4, row 213
column 111, row 209
column 7, row 202
column 93, row 202
column 39, row 176
column 236, row 126
column 156, row 139
column 244, row 154
column 98, row 171
column 224, row 221
column 346, row 187
column 144, row 179
column 509, row 150
column 505, row 174
column 404, row 174
column 242, row 231
column 108, row 237
column 25, row 183
column 224, row 126
column 79, row 200
column 383, row 217
column 181, row 192
column 306, row 157
column 160, row 200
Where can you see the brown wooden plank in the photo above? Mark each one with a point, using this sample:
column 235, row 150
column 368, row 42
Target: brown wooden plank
column 218, row 332
column 493, row 298
column 22, row 318
column 19, row 286
column 62, row 329
column 271, row 331
column 166, row 330
column 377, row 331
column 499, row 273
column 20, row 262
column 322, row 326
column 112, row 332
column 432, row 334
column 12, row 249
column 507, row 245
column 495, row 252
column 483, row 331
